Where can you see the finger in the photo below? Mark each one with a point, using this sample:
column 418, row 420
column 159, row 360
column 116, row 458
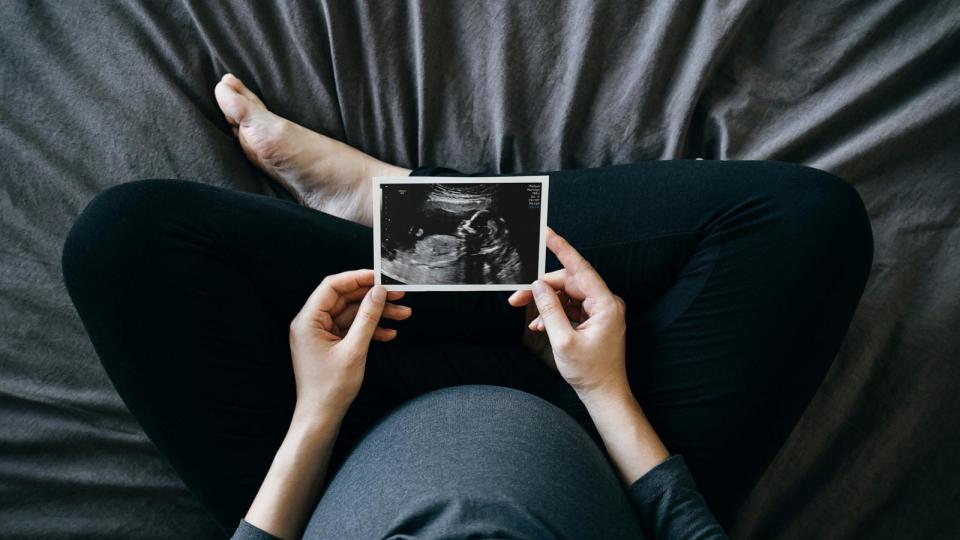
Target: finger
column 599, row 304
column 396, row 312
column 536, row 325
column 520, row 298
column 384, row 334
column 319, row 320
column 551, row 313
column 589, row 306
column 566, row 299
column 322, row 319
column 556, row 279
column 571, row 308
column 347, row 304
column 347, row 300
column 354, row 295
column 351, row 280
column 365, row 323
column 326, row 295
column 587, row 279
column 357, row 295
column 568, row 256
column 345, row 317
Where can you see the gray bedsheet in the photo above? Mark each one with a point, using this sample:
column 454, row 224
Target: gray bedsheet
column 93, row 94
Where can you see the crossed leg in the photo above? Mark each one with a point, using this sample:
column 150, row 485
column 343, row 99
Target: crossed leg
column 740, row 280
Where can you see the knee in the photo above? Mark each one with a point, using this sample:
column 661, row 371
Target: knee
column 112, row 222
column 829, row 211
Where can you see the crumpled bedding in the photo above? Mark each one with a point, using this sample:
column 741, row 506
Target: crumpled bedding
column 93, row 94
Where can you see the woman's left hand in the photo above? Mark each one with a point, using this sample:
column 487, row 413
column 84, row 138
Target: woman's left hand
column 330, row 337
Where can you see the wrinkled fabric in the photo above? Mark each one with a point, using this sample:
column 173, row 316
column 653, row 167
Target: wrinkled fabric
column 93, row 94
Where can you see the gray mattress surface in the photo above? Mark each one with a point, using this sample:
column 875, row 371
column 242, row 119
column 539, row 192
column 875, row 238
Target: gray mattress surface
column 93, row 94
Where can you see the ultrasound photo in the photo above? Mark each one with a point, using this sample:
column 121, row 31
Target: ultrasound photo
column 440, row 233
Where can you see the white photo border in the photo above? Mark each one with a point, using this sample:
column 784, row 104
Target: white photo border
column 544, row 182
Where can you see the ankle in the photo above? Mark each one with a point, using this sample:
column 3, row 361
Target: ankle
column 375, row 167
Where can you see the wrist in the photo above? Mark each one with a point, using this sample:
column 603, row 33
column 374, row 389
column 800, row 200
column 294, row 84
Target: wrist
column 627, row 434
column 613, row 407
column 614, row 395
column 309, row 415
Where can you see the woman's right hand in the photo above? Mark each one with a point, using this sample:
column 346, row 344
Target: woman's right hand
column 583, row 320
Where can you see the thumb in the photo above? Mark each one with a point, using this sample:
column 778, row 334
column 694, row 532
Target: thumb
column 551, row 312
column 368, row 316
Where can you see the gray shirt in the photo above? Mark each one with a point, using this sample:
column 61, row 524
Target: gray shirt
column 489, row 462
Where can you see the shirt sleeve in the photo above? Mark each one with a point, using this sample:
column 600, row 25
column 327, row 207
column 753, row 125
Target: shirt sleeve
column 669, row 505
column 246, row 531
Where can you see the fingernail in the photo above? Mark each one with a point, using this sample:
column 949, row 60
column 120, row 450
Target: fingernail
column 378, row 294
column 540, row 287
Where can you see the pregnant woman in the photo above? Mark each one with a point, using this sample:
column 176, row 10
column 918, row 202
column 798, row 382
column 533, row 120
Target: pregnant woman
column 692, row 310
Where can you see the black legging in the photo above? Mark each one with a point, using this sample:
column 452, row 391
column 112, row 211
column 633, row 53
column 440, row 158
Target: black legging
column 740, row 280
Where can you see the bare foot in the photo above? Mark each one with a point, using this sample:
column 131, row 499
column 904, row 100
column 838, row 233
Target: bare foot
column 320, row 172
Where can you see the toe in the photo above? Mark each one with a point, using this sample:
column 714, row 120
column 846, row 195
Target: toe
column 235, row 83
column 230, row 102
column 235, row 107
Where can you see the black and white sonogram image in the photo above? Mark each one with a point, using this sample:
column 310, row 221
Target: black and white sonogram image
column 477, row 234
